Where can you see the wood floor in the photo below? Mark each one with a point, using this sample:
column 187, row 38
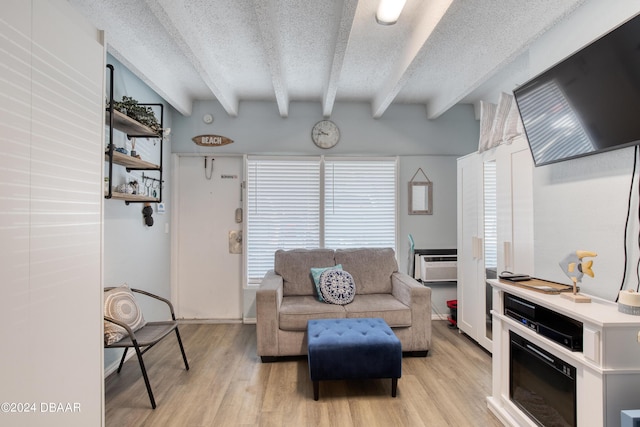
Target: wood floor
column 227, row 385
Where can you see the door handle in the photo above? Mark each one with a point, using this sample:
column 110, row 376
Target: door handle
column 508, row 256
column 476, row 247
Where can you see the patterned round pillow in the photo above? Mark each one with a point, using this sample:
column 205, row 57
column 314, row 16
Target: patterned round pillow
column 337, row 287
column 121, row 305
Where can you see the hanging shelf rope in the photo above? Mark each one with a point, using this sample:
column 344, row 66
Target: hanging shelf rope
column 423, row 174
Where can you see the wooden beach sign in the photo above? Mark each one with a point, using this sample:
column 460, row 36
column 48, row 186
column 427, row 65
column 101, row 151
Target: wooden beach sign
column 211, row 140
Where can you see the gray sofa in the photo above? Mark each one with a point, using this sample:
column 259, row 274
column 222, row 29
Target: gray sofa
column 287, row 299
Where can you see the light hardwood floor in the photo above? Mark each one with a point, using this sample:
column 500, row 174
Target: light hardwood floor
column 229, row 386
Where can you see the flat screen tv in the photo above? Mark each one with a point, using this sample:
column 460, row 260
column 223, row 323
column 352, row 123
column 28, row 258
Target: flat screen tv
column 588, row 103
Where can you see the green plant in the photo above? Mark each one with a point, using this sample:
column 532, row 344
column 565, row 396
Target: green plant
column 140, row 113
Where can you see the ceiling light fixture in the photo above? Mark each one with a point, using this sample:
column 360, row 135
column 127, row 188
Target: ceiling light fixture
column 389, row 11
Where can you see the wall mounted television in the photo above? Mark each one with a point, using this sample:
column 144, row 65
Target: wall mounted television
column 587, row 103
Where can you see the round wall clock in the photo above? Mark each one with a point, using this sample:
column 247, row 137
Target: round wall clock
column 325, row 134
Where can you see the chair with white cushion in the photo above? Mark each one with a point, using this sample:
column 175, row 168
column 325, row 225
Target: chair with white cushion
column 125, row 327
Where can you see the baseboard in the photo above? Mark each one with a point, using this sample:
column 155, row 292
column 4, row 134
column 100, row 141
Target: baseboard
column 252, row 320
column 207, row 321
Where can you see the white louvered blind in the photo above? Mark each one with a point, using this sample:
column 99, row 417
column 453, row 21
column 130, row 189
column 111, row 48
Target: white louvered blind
column 51, row 242
column 490, row 216
column 360, row 203
column 283, row 209
column 286, row 208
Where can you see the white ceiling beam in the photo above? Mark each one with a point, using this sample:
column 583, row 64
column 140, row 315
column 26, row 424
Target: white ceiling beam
column 268, row 23
column 181, row 30
column 426, row 22
column 342, row 41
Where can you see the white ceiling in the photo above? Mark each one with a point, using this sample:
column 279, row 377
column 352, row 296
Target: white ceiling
column 438, row 54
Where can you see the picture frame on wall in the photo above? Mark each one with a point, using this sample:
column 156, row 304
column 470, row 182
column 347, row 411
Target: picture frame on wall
column 420, row 198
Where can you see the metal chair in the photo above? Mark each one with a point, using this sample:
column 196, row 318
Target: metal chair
column 145, row 338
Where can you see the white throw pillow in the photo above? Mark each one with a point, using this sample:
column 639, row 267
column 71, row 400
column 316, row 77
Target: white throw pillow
column 121, row 305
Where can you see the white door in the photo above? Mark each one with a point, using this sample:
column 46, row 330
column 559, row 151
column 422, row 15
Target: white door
column 476, row 245
column 208, row 273
column 515, row 212
column 469, row 243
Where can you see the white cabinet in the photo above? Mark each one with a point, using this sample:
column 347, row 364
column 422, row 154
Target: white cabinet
column 495, row 229
column 514, row 174
column 470, row 248
column 607, row 369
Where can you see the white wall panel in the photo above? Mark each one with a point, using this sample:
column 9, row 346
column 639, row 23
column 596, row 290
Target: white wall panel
column 15, row 119
column 51, row 159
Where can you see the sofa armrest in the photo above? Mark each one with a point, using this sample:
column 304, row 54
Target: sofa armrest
column 268, row 301
column 418, row 298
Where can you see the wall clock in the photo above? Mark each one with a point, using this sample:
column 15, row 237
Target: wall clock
column 325, row 134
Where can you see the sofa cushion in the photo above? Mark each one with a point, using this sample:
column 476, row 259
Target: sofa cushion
column 337, row 287
column 295, row 311
column 371, row 268
column 295, row 268
column 315, row 274
column 395, row 313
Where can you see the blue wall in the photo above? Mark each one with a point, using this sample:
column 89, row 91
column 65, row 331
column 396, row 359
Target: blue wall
column 134, row 253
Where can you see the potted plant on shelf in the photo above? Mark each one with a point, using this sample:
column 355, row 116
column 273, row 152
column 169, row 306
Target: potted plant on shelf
column 140, row 113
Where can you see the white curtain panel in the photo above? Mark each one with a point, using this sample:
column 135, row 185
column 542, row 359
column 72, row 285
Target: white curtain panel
column 499, row 124
column 497, row 130
column 487, row 114
column 513, row 124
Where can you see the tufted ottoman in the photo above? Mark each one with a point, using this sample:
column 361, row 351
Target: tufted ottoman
column 341, row 349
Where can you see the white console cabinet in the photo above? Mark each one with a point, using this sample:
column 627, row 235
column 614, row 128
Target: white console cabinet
column 607, row 370
column 495, row 229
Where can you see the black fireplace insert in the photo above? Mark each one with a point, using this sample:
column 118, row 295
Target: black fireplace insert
column 540, row 384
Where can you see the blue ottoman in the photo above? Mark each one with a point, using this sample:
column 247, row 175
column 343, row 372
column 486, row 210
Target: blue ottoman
column 340, row 349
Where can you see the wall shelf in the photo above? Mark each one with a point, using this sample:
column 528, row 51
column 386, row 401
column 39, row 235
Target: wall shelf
column 131, row 163
column 131, row 127
column 117, row 121
column 132, row 197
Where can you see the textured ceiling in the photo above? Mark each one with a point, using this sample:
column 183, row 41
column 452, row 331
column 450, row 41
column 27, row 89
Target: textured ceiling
column 439, row 53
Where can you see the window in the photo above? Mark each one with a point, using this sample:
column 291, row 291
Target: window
column 283, row 209
column 360, row 203
column 317, row 202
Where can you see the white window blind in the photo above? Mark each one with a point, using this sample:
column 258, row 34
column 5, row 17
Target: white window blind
column 490, row 216
column 360, row 203
column 283, row 210
column 286, row 208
